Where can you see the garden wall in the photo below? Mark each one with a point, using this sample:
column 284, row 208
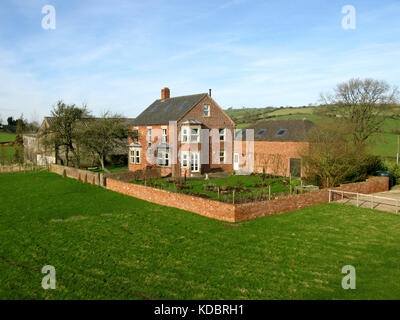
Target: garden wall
column 291, row 203
column 215, row 209
column 83, row 175
column 204, row 207
column 235, row 213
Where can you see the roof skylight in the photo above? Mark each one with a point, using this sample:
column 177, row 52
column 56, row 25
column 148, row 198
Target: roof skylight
column 183, row 105
column 281, row 132
column 261, row 132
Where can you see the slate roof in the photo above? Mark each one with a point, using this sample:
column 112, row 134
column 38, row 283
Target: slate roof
column 172, row 109
column 294, row 130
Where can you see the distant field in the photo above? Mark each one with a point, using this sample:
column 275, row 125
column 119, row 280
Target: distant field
column 105, row 245
column 287, row 111
column 384, row 144
column 7, row 137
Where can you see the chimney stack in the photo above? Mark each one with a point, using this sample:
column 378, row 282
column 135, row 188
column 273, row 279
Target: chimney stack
column 209, row 92
column 165, row 94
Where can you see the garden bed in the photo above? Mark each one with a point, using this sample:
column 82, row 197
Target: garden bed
column 231, row 189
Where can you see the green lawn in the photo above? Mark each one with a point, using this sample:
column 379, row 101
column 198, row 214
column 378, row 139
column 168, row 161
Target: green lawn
column 144, row 250
column 8, row 153
column 245, row 186
column 112, row 169
column 7, row 137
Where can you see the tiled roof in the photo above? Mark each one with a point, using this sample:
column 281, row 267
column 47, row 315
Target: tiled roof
column 295, row 130
column 172, row 109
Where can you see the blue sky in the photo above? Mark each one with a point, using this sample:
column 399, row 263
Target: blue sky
column 117, row 55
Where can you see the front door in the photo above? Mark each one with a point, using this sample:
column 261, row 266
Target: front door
column 236, row 161
column 194, row 161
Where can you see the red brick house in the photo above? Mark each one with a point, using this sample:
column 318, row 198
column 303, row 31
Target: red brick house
column 277, row 147
column 188, row 134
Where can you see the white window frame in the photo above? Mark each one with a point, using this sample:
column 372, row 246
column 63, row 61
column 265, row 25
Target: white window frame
column 162, row 158
column 223, row 156
column 149, row 134
column 185, row 134
column 135, row 156
column 195, row 135
column 207, row 111
column 223, row 135
column 185, row 157
column 136, row 139
column 164, row 135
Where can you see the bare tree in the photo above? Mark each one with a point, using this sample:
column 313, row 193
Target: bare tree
column 332, row 157
column 62, row 130
column 105, row 135
column 361, row 103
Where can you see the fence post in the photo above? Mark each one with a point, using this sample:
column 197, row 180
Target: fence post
column 233, row 196
column 342, row 195
column 269, row 192
column 329, row 196
column 357, row 199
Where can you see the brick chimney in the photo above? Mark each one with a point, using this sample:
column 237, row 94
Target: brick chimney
column 165, row 94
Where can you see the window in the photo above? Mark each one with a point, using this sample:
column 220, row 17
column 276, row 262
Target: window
column 195, row 135
column 134, row 156
column 137, row 156
column 261, row 132
column 184, row 134
column 135, row 135
column 154, row 108
column 221, row 134
column 206, row 110
column 221, row 156
column 163, row 158
column 148, row 134
column 185, row 159
column 164, row 135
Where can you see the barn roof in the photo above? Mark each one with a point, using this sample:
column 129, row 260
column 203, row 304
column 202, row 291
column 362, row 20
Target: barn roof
column 295, row 130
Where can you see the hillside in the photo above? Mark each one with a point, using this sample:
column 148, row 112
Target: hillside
column 383, row 144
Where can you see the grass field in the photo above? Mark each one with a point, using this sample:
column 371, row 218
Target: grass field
column 141, row 250
column 7, row 137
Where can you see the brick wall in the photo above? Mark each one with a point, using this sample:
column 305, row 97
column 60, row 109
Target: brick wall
column 153, row 173
column 219, row 210
column 204, row 207
column 274, row 156
column 266, row 208
column 83, row 175
column 235, row 213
